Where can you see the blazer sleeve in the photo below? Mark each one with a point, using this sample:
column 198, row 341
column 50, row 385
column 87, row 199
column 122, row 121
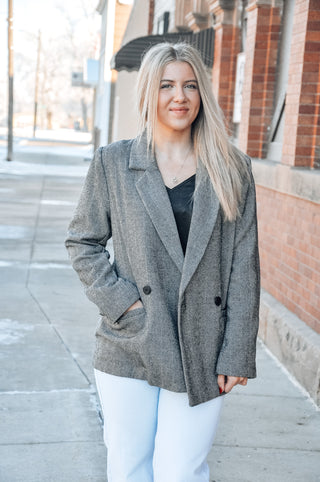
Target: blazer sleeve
column 86, row 241
column 238, row 352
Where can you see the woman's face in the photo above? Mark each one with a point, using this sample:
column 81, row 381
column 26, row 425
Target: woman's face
column 179, row 98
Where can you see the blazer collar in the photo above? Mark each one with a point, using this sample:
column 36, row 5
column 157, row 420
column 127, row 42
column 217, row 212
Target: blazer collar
column 154, row 196
column 140, row 154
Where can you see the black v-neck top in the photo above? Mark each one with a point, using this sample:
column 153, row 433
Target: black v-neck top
column 181, row 198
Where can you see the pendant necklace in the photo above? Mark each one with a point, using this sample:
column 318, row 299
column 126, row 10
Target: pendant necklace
column 175, row 178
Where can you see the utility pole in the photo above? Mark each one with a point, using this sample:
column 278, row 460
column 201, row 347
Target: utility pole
column 36, row 86
column 10, row 79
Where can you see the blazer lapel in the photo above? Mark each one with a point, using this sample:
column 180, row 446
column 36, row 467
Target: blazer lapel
column 154, row 196
column 205, row 211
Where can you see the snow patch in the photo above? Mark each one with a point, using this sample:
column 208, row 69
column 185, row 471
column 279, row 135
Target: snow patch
column 55, row 202
column 12, row 331
column 18, row 264
column 19, row 168
column 14, row 232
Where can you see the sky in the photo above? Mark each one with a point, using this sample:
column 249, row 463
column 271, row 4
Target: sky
column 30, row 16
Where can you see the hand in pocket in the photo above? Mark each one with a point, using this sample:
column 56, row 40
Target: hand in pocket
column 137, row 304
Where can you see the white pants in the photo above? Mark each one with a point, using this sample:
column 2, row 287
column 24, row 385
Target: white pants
column 152, row 434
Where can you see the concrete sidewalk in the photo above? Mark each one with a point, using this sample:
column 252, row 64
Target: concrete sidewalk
column 50, row 428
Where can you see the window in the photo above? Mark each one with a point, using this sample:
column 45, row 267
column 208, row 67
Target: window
column 277, row 123
column 163, row 23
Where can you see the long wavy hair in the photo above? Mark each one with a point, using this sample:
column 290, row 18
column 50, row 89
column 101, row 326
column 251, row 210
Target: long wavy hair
column 225, row 164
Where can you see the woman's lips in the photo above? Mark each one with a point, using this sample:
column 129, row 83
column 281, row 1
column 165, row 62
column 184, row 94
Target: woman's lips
column 179, row 110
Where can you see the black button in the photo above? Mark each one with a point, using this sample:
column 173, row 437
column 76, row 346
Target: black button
column 217, row 300
column 147, row 290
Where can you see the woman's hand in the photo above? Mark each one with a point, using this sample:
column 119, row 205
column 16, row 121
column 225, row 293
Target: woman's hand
column 137, row 304
column 226, row 382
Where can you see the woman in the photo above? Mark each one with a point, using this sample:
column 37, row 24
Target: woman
column 179, row 304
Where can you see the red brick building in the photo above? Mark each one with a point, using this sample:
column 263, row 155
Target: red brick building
column 266, row 76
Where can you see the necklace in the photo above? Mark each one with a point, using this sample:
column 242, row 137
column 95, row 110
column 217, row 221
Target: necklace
column 175, row 178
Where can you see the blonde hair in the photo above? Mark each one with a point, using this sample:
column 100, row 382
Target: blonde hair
column 225, row 164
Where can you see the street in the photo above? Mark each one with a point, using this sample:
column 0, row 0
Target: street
column 50, row 421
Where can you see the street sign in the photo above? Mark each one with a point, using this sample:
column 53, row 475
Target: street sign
column 77, row 79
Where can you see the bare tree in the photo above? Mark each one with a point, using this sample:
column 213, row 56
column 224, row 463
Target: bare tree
column 81, row 47
column 60, row 56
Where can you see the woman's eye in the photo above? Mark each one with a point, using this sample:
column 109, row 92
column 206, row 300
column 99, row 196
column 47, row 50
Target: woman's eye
column 187, row 86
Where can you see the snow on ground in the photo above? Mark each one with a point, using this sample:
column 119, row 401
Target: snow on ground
column 65, row 135
column 19, row 168
column 24, row 148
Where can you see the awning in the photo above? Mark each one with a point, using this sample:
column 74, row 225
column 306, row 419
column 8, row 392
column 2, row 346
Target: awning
column 129, row 57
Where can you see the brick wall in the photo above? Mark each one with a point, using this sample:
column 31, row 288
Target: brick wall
column 289, row 226
column 259, row 80
column 288, row 192
column 289, row 238
column 302, row 126
column 227, row 46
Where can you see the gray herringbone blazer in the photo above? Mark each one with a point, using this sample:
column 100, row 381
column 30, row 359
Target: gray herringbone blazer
column 200, row 312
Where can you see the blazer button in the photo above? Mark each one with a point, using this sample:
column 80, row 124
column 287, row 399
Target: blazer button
column 217, row 300
column 147, row 290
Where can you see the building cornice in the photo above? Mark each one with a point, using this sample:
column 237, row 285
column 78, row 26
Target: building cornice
column 295, row 181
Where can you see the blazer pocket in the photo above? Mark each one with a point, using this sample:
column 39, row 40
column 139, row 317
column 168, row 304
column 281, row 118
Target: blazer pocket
column 129, row 324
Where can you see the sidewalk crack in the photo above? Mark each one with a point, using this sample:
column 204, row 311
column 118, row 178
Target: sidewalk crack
column 58, row 334
column 33, row 296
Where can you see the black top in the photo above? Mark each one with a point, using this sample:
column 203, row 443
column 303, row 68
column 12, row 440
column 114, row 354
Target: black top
column 181, row 198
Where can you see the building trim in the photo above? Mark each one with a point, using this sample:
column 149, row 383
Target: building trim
column 300, row 182
column 295, row 345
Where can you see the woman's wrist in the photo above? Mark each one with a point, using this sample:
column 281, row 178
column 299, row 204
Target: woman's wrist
column 136, row 304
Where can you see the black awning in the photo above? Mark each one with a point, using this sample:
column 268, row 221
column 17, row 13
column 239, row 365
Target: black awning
column 129, row 57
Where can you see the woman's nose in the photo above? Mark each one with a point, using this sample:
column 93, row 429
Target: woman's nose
column 179, row 94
